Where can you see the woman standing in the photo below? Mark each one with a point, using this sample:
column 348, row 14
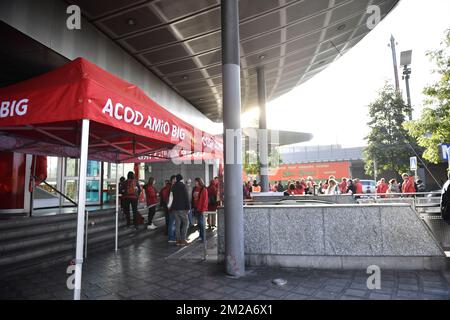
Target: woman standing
column 393, row 187
column 152, row 201
column 332, row 187
column 200, row 204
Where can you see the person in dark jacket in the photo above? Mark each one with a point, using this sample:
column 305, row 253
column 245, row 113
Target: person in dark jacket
column 130, row 196
column 445, row 201
column 179, row 207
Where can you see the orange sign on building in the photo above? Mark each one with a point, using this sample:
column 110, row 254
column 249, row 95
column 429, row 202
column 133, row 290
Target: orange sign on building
column 318, row 171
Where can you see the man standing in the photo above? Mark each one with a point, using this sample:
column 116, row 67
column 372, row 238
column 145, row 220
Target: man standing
column 179, row 207
column 445, row 201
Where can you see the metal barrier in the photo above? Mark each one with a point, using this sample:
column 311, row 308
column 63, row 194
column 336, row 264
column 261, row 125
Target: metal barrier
column 205, row 245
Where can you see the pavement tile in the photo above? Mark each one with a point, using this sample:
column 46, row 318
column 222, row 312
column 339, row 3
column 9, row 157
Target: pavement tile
column 355, row 292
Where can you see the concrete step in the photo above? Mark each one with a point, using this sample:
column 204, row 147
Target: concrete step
column 32, row 221
column 51, row 237
column 26, row 244
column 20, row 231
column 55, row 248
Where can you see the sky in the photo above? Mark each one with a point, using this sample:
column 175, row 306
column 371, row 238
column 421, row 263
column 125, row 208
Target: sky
column 333, row 105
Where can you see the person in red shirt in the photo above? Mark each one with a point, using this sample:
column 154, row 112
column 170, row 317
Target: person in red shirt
column 343, row 186
column 358, row 186
column 299, row 189
column 152, row 201
column 382, row 187
column 408, row 184
column 200, row 204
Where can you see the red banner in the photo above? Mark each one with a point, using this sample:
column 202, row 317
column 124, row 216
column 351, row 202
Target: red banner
column 318, row 171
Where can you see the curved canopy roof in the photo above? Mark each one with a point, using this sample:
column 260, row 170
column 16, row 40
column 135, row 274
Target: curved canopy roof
column 180, row 41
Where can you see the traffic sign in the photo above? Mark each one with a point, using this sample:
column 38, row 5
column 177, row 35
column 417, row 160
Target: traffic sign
column 445, row 151
column 413, row 163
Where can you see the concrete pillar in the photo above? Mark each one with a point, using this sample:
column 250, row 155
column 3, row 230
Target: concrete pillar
column 262, row 136
column 233, row 208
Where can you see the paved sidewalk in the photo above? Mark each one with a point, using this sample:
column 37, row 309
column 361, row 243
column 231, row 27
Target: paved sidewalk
column 143, row 271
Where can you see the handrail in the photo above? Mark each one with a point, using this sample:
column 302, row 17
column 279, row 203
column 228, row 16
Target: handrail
column 394, row 193
column 76, row 204
column 57, row 191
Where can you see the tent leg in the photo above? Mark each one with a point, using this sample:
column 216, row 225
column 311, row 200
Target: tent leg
column 117, row 206
column 81, row 207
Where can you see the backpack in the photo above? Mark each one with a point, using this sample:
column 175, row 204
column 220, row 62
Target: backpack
column 212, row 200
column 130, row 188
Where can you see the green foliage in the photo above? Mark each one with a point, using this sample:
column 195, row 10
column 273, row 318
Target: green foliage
column 387, row 144
column 433, row 126
column 252, row 163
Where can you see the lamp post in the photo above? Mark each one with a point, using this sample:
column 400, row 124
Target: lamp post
column 405, row 61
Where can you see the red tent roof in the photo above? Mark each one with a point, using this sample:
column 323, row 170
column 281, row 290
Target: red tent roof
column 42, row 116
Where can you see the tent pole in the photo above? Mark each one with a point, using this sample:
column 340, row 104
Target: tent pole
column 117, row 205
column 81, row 207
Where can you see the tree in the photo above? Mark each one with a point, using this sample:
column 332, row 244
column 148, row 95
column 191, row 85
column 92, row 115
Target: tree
column 252, row 163
column 433, row 126
column 388, row 139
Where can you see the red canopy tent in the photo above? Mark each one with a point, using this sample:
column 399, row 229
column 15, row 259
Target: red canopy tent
column 80, row 110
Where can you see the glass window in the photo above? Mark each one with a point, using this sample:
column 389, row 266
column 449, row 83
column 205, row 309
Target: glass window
column 109, row 171
column 93, row 168
column 71, row 167
column 92, row 190
column 142, row 171
column 109, row 192
column 52, row 168
column 71, row 189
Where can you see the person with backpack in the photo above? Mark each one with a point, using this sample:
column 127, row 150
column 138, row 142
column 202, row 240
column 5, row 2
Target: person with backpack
column 200, row 204
column 445, row 201
column 152, row 200
column 131, row 192
column 179, row 208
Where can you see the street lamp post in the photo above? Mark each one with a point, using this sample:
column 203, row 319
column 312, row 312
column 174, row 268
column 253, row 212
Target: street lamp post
column 405, row 61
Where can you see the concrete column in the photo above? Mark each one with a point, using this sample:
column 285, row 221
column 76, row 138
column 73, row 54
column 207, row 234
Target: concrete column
column 233, row 207
column 262, row 136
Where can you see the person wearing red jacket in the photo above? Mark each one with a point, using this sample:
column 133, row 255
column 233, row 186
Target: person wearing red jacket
column 358, row 186
column 382, row 187
column 408, row 184
column 299, row 189
column 152, row 201
column 200, row 204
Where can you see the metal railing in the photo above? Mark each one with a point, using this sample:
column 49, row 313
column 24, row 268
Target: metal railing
column 205, row 244
column 76, row 204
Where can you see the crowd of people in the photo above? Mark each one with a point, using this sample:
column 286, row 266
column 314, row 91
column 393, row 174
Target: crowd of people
column 331, row 186
column 184, row 205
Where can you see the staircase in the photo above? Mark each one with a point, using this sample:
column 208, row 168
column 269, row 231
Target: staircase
column 28, row 243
